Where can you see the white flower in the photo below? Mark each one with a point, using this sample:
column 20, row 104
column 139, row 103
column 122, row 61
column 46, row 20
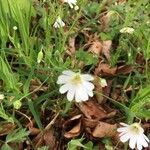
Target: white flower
column 135, row 134
column 77, row 86
column 76, row 7
column 59, row 23
column 103, row 82
column 15, row 28
column 127, row 30
column 1, row 96
column 71, row 3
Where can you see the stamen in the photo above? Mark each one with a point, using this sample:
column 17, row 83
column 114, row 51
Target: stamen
column 135, row 128
column 76, row 79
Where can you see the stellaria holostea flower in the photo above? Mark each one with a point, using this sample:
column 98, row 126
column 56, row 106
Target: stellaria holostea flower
column 127, row 30
column 77, row 86
column 1, row 96
column 15, row 28
column 59, row 23
column 135, row 134
column 72, row 3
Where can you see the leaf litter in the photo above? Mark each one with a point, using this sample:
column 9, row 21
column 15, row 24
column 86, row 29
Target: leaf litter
column 96, row 118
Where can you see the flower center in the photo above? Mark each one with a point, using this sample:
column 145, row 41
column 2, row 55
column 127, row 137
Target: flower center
column 135, row 128
column 76, row 79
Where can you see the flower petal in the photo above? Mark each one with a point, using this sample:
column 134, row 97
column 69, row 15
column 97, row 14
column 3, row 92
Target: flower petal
column 63, row 79
column 64, row 88
column 139, row 145
column 124, row 138
column 132, row 142
column 146, row 138
column 122, row 129
column 68, row 72
column 143, row 140
column 87, row 77
column 124, row 124
column 88, row 85
column 90, row 93
column 71, row 93
column 81, row 94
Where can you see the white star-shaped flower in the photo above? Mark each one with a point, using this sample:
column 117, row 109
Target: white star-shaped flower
column 127, row 30
column 72, row 3
column 1, row 96
column 59, row 23
column 135, row 134
column 77, row 86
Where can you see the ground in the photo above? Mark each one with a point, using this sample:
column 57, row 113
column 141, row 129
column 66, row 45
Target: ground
column 39, row 39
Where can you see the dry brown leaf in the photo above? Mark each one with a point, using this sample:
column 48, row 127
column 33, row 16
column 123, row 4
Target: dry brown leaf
column 6, row 128
column 36, row 84
column 96, row 47
column 98, row 89
column 104, row 130
column 105, row 70
column 92, row 110
column 46, row 138
column 121, row 1
column 107, row 89
column 106, row 48
column 34, row 131
column 116, row 94
column 75, row 124
column 125, row 69
column 90, row 123
column 72, row 45
column 74, row 132
column 50, row 139
column 140, row 59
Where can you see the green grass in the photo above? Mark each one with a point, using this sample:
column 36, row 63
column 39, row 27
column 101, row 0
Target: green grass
column 35, row 35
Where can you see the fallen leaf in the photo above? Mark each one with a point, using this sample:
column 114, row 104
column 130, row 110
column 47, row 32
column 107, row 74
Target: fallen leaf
column 125, row 69
column 50, row 139
column 105, row 70
column 90, row 123
column 104, row 130
column 106, row 48
column 34, row 131
column 74, row 132
column 37, row 84
column 72, row 127
column 45, row 138
column 96, row 47
column 92, row 110
column 71, row 47
column 140, row 59
column 6, row 128
column 98, row 89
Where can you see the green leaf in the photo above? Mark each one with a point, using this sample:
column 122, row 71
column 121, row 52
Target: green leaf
column 141, row 96
column 137, row 105
column 89, row 146
column 35, row 113
column 75, row 143
column 4, row 115
column 92, row 8
column 43, row 148
column 18, row 135
column 7, row 75
column 6, row 147
column 86, row 57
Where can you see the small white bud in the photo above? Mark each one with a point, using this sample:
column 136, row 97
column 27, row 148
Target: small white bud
column 40, row 57
column 15, row 28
